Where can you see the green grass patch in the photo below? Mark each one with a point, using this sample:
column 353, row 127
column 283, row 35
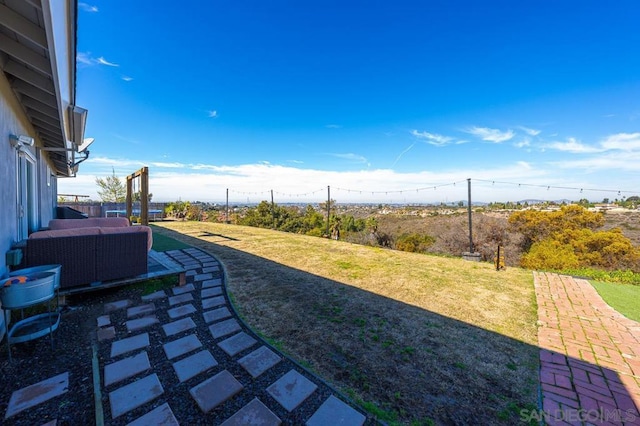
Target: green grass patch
column 624, row 298
column 164, row 243
column 622, row 277
column 151, row 286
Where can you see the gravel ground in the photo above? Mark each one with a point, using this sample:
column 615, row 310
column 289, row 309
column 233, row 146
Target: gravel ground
column 35, row 361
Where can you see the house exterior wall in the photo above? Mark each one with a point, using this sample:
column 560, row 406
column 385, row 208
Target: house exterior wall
column 14, row 121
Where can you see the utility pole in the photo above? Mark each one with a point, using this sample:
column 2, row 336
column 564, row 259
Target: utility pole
column 273, row 212
column 226, row 211
column 469, row 212
column 328, row 207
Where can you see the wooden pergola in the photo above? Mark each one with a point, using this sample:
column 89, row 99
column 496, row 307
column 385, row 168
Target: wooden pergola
column 143, row 174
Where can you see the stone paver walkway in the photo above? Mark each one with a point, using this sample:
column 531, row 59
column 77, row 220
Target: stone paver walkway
column 589, row 356
column 227, row 373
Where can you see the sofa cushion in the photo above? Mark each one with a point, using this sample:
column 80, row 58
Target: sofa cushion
column 72, row 232
column 105, row 222
column 129, row 230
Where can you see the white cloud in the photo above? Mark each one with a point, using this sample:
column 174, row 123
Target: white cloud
column 84, row 58
column 523, row 143
column 432, row 138
column 127, row 78
column 574, row 146
column 351, row 157
column 402, row 153
column 491, row 135
column 622, row 141
column 208, row 182
column 212, row 114
column 531, row 132
column 102, row 61
column 87, row 7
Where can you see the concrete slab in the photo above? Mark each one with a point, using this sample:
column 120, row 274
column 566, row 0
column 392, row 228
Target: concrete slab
column 212, row 283
column 134, row 395
column 181, row 346
column 210, row 263
column 129, row 344
column 215, row 390
column 335, row 412
column 183, row 289
column 213, row 302
column 224, row 328
column 209, row 269
column 191, row 272
column 137, row 311
column 181, row 311
column 37, row 393
column 160, row 294
column 254, row 413
column 259, row 361
column 178, row 326
column 140, row 323
column 104, row 320
column 161, row 415
column 125, row 368
column 291, row 389
column 182, row 298
column 210, row 292
column 193, row 365
column 237, row 343
column 106, row 333
column 216, row 314
column 114, row 306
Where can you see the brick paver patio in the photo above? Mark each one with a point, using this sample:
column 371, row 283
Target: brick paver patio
column 589, row 355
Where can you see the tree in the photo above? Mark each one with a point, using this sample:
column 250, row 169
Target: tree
column 111, row 189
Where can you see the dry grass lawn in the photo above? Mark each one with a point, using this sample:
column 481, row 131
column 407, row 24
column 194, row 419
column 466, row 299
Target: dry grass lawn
column 414, row 338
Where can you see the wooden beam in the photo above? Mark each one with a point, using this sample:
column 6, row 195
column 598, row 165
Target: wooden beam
column 40, row 107
column 34, row 78
column 26, row 55
column 35, row 93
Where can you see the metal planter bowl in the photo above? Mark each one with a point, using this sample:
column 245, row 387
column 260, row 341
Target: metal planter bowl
column 40, row 289
column 39, row 269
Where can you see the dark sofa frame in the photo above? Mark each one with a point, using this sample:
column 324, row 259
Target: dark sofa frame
column 88, row 259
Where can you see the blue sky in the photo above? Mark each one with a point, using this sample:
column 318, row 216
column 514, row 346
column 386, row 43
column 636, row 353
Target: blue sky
column 378, row 100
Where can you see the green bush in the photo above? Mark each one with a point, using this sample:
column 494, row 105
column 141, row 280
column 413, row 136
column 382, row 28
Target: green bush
column 550, row 254
column 415, row 243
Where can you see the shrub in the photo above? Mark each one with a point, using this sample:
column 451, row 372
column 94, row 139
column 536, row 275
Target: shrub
column 550, row 254
column 415, row 243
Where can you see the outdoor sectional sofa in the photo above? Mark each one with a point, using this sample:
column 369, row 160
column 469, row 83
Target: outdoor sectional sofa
column 91, row 250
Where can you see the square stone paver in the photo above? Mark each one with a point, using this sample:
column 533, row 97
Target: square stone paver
column 216, row 314
column 213, row 302
column 161, row 415
column 181, row 311
column 183, row 289
column 254, row 413
column 106, row 333
column 215, row 390
column 140, row 310
column 104, row 320
column 181, row 298
column 291, row 389
column 212, row 283
column 223, row 328
column 140, row 323
column 181, row 346
column 135, row 394
column 193, row 365
column 126, row 368
column 335, row 412
column 160, row 294
column 210, row 292
column 192, row 272
column 237, row 343
column 35, row 394
column 178, row 326
column 202, row 277
column 129, row 344
column 259, row 361
column 206, row 269
column 114, row 306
